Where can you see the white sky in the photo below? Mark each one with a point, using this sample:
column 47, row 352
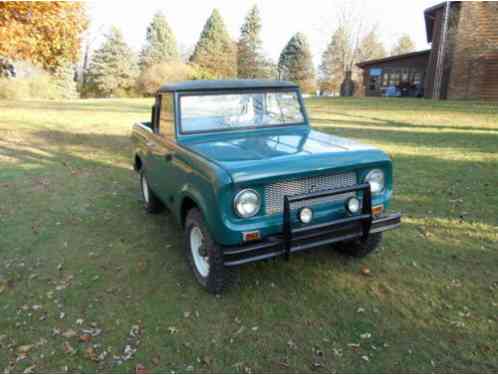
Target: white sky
column 280, row 19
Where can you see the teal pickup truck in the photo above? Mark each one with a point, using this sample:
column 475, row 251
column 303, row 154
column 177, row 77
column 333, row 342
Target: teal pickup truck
column 238, row 165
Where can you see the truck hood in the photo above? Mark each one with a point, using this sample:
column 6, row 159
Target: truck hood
column 263, row 155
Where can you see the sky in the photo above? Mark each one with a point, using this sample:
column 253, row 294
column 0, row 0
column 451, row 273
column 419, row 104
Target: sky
column 280, row 20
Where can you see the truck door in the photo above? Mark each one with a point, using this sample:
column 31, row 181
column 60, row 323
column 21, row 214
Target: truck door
column 162, row 145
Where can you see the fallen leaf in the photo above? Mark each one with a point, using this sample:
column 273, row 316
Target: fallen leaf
column 156, row 360
column 366, row 335
column 91, row 354
column 140, row 369
column 24, row 348
column 69, row 333
column 29, row 370
column 207, row 360
column 365, row 271
column 68, row 349
column 85, row 337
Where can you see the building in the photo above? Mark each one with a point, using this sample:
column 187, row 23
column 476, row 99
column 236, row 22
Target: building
column 462, row 63
column 406, row 72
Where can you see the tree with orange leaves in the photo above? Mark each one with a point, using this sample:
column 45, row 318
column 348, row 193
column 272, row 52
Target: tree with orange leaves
column 45, row 33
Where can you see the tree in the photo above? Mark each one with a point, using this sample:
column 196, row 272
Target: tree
column 44, row 33
column 370, row 47
column 405, row 44
column 64, row 80
column 160, row 43
column 335, row 61
column 113, row 69
column 167, row 72
column 296, row 63
column 215, row 52
column 250, row 59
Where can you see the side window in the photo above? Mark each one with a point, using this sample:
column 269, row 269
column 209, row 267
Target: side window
column 167, row 116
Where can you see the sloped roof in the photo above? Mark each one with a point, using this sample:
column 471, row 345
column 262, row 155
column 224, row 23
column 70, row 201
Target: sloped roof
column 364, row 64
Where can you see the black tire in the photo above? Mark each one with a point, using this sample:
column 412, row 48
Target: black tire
column 152, row 204
column 218, row 275
column 360, row 248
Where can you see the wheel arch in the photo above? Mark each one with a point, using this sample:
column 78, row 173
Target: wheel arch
column 137, row 162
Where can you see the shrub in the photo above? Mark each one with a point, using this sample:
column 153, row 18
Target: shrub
column 40, row 87
column 14, row 89
column 152, row 78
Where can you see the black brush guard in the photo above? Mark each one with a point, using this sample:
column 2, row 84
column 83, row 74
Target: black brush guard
column 306, row 237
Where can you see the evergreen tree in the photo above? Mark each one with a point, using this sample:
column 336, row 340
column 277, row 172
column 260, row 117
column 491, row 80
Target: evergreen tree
column 250, row 59
column 215, row 52
column 160, row 43
column 371, row 47
column 114, row 67
column 405, row 44
column 64, row 80
column 296, row 63
column 335, row 61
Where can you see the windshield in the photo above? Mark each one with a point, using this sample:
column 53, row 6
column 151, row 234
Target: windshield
column 212, row 112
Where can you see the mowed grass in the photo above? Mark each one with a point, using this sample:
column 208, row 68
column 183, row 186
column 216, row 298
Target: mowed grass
column 78, row 253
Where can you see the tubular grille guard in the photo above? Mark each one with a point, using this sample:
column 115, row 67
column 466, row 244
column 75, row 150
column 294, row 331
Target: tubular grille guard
column 274, row 193
column 365, row 217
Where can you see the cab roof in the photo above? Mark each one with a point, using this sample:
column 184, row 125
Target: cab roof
column 213, row 85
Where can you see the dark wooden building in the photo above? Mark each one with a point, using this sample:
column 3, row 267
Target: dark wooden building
column 404, row 72
column 462, row 62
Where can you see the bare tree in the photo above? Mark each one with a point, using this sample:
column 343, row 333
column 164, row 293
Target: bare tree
column 353, row 35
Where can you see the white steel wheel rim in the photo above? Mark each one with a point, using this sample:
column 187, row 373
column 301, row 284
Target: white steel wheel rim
column 201, row 262
column 145, row 189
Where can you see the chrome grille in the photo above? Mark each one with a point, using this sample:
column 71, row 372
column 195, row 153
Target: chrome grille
column 274, row 193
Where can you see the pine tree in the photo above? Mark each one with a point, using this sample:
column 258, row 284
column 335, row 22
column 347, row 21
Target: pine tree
column 114, row 67
column 405, row 44
column 296, row 63
column 64, row 80
column 335, row 61
column 215, row 52
column 251, row 62
column 160, row 43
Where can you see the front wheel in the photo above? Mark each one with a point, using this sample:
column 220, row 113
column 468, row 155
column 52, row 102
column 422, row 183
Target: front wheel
column 360, row 248
column 203, row 254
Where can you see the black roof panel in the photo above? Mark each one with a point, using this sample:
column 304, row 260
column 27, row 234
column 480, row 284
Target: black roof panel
column 201, row 85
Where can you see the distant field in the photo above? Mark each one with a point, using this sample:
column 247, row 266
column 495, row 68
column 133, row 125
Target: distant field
column 78, row 254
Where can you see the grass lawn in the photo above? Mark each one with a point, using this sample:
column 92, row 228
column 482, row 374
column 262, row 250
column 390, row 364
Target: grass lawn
column 89, row 282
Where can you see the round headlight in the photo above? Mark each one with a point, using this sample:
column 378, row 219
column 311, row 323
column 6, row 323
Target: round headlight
column 376, row 179
column 247, row 203
column 305, row 215
column 353, row 205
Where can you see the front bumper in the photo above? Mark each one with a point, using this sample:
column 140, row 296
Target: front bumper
column 294, row 239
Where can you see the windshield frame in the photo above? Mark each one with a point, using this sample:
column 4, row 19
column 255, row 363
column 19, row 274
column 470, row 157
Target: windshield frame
column 241, row 91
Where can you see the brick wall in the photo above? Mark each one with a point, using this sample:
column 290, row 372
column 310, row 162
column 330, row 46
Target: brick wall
column 473, row 72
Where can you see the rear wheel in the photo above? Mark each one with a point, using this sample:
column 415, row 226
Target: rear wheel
column 360, row 248
column 152, row 204
column 204, row 255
